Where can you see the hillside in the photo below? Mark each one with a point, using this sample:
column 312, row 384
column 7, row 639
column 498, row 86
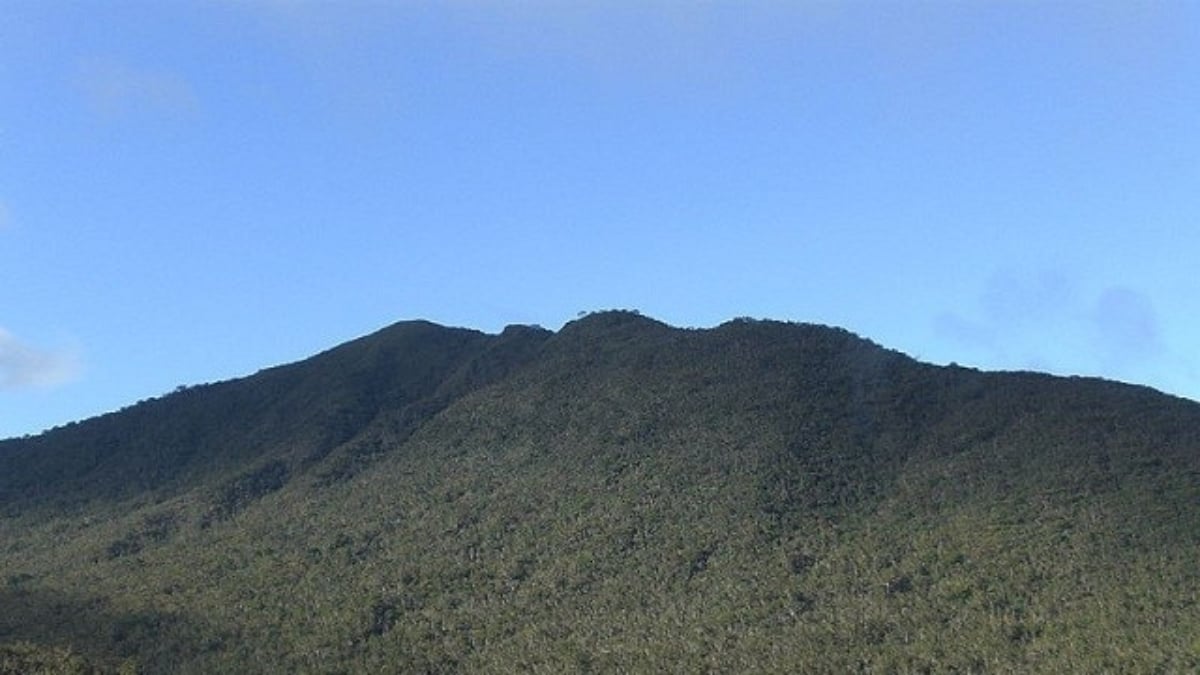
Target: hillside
column 618, row 496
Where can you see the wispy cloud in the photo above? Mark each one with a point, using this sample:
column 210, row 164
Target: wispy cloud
column 24, row 366
column 650, row 43
column 1044, row 321
column 114, row 90
column 1126, row 326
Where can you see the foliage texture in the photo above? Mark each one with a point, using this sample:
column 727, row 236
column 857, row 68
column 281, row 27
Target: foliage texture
column 619, row 496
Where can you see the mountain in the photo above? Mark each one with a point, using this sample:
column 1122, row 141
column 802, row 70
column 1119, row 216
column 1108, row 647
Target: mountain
column 618, row 496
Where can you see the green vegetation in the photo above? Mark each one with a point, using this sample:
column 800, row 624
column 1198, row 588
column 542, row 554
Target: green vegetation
column 28, row 659
column 618, row 496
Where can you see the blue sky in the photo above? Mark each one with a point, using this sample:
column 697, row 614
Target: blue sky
column 191, row 191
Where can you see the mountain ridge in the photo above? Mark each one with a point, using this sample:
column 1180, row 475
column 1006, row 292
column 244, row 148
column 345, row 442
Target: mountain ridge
column 616, row 495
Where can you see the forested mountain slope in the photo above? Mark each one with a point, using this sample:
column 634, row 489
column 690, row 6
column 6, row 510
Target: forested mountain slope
column 618, row 496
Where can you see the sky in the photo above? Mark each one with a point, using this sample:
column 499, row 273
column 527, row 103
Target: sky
column 194, row 190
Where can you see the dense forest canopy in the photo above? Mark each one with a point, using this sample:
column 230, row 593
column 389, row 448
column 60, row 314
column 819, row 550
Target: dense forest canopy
column 618, row 495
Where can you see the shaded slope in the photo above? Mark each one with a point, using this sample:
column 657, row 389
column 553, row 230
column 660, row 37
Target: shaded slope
column 626, row 496
column 292, row 415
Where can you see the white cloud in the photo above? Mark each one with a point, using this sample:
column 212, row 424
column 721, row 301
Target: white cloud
column 24, row 366
column 117, row 90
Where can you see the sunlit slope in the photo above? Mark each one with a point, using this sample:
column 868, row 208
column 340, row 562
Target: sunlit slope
column 627, row 496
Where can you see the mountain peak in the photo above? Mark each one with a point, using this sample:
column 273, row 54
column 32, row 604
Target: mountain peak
column 619, row 496
column 611, row 319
